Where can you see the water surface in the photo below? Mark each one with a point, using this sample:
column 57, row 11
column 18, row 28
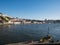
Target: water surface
column 25, row 32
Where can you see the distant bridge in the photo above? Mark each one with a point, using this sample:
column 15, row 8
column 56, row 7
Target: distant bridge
column 4, row 18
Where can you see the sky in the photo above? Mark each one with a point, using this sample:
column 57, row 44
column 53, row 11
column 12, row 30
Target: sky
column 31, row 9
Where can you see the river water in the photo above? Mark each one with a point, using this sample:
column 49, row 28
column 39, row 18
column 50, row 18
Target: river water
column 26, row 32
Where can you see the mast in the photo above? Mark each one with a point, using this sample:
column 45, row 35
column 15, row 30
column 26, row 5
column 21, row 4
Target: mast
column 48, row 30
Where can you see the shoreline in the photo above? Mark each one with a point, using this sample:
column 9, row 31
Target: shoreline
column 16, row 23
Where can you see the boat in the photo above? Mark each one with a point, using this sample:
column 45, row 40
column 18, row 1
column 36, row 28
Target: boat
column 47, row 38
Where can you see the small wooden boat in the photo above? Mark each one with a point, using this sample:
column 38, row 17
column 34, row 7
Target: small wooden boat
column 46, row 39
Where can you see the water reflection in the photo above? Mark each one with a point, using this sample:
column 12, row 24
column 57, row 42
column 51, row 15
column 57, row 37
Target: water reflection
column 18, row 33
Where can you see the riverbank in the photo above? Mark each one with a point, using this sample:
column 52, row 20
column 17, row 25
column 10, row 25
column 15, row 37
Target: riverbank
column 10, row 23
column 17, row 23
